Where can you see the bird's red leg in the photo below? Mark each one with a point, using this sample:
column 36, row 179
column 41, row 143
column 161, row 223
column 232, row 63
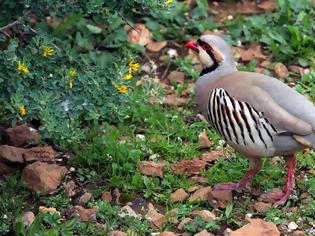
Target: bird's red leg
column 282, row 197
column 255, row 166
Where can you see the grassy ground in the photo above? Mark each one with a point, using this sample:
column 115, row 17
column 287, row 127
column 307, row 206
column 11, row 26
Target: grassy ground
column 109, row 159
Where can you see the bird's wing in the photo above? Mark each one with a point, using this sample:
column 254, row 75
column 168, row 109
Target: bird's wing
column 293, row 116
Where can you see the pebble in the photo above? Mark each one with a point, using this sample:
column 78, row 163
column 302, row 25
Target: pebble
column 292, row 226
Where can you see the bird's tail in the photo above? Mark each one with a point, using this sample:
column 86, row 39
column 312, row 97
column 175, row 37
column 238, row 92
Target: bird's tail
column 311, row 140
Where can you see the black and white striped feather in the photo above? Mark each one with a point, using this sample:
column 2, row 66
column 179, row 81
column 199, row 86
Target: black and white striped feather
column 238, row 122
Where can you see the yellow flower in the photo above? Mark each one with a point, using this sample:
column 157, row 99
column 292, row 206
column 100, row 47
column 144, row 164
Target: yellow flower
column 71, row 83
column 168, row 1
column 22, row 68
column 128, row 76
column 122, row 88
column 133, row 67
column 48, row 51
column 22, row 110
column 72, row 73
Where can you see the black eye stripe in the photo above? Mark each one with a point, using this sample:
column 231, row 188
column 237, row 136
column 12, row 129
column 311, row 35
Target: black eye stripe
column 200, row 42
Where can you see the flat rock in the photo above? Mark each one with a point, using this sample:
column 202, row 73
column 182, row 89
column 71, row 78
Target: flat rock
column 167, row 233
column 128, row 211
column 200, row 194
column 194, row 166
column 85, row 198
column 43, row 177
column 84, row 214
column 43, row 154
column 176, row 77
column 203, row 233
column 179, row 195
column 184, row 222
column 70, row 188
column 220, row 199
column 206, row 215
column 281, row 70
column 152, row 168
column 203, row 140
column 156, row 218
column 257, row 227
column 140, row 35
column 11, row 154
column 212, row 155
column 22, row 135
column 156, row 46
column 107, row 196
column 262, row 206
column 28, row 218
column 118, row 233
column 5, row 169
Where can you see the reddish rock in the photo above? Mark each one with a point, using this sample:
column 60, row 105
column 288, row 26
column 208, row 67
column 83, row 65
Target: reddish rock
column 220, row 199
column 156, row 218
column 297, row 69
column 84, row 214
column 118, row 233
column 203, row 233
column 203, row 140
column 194, row 188
column 85, row 198
column 28, row 218
column 199, row 179
column 262, row 206
column 70, row 188
column 200, row 194
column 281, row 70
column 167, row 233
column 107, row 196
column 139, row 34
column 5, row 169
column 11, row 154
column 156, row 46
column 151, row 168
column 22, row 135
column 176, row 77
column 257, row 227
column 43, row 177
column 206, row 215
column 213, row 155
column 298, row 233
column 194, row 166
column 179, row 195
column 184, row 222
column 43, row 154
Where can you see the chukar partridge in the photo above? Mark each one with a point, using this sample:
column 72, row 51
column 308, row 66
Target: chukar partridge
column 259, row 116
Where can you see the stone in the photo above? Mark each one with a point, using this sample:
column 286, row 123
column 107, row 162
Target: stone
column 140, row 35
column 298, row 233
column 203, row 233
column 220, row 199
column 156, row 218
column 85, row 198
column 262, row 206
column 200, row 194
column 28, row 218
column 22, row 135
column 184, row 222
column 43, row 154
column 128, row 211
column 257, row 227
column 118, row 233
column 107, row 196
column 5, row 169
column 194, row 166
column 203, row 140
column 176, row 77
column 194, row 188
column 152, row 168
column 167, row 233
column 213, row 155
column 206, row 215
column 156, row 46
column 292, row 226
column 11, row 154
column 84, row 214
column 69, row 188
column 43, row 177
column 281, row 70
column 179, row 195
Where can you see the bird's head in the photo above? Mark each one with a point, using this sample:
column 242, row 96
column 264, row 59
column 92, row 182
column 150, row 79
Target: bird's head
column 213, row 52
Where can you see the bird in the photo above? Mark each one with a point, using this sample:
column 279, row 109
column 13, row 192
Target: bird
column 257, row 115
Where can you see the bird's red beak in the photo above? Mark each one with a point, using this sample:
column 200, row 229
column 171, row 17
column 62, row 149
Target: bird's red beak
column 192, row 45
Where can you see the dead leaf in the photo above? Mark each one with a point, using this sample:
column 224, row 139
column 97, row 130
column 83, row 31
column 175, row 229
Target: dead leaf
column 203, row 140
column 156, row 46
column 262, row 206
column 257, row 227
column 220, row 199
column 212, row 156
column 200, row 194
column 194, row 166
column 152, row 168
column 156, row 218
column 206, row 215
column 281, row 70
column 47, row 209
column 265, row 63
column 107, row 196
column 176, row 77
column 84, row 214
column 179, row 195
column 194, row 188
column 140, row 35
column 188, row 90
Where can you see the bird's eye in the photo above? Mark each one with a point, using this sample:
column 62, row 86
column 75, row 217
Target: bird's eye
column 206, row 47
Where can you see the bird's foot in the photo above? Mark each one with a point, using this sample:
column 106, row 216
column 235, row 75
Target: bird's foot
column 277, row 197
column 227, row 186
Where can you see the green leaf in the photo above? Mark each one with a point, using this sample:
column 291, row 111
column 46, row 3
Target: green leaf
column 229, row 210
column 94, row 29
column 203, row 5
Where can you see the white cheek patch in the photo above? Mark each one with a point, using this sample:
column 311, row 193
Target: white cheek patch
column 204, row 57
